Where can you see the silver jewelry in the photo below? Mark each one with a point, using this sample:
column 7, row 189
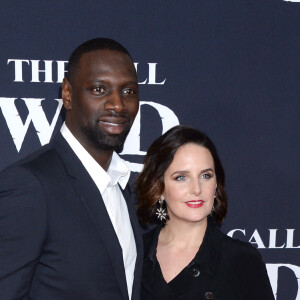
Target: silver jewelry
column 160, row 211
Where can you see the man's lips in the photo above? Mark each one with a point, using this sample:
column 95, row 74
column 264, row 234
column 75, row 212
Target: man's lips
column 194, row 203
column 113, row 125
column 114, row 120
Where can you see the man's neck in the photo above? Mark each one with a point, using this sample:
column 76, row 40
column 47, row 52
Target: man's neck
column 102, row 157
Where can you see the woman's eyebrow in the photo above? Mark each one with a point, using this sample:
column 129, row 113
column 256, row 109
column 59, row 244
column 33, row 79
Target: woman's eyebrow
column 183, row 172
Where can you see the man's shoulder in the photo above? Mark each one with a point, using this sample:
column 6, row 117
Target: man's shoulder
column 45, row 158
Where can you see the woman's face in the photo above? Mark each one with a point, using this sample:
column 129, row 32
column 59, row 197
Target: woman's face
column 190, row 184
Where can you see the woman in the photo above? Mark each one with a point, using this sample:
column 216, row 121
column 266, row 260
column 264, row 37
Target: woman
column 186, row 256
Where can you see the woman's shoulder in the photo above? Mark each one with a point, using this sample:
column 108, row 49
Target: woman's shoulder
column 237, row 248
column 239, row 254
column 244, row 262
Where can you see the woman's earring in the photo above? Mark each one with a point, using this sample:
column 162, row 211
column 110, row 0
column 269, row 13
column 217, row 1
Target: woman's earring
column 161, row 211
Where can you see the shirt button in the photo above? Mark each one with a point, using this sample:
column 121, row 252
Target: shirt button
column 209, row 295
column 195, row 272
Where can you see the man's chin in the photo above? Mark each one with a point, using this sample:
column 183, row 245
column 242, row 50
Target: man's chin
column 112, row 142
column 107, row 142
column 111, row 146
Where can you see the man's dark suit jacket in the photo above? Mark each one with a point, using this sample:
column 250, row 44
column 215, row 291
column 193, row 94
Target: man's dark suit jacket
column 56, row 238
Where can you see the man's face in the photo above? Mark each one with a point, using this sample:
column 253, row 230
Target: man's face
column 101, row 99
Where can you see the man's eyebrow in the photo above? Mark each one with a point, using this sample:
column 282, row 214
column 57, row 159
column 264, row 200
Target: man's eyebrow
column 132, row 82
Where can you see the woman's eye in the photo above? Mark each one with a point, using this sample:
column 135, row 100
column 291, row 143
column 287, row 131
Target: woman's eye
column 206, row 176
column 180, row 178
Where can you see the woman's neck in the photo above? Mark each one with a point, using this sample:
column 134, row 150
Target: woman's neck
column 183, row 234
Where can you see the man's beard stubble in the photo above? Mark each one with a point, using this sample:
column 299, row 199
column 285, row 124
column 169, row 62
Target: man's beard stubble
column 104, row 141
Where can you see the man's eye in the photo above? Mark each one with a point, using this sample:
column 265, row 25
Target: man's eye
column 129, row 92
column 98, row 90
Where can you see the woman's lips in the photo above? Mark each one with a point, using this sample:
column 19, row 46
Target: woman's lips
column 194, row 203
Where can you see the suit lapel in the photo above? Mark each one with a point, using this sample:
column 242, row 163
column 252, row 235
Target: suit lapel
column 89, row 195
column 139, row 243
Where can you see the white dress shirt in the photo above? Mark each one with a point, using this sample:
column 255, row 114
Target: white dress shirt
column 107, row 183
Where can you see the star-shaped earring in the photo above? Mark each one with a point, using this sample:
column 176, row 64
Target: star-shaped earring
column 161, row 212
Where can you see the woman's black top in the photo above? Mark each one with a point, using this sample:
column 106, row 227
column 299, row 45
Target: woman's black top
column 223, row 269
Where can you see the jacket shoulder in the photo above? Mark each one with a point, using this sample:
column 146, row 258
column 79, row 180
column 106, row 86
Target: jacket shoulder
column 245, row 264
column 32, row 173
column 237, row 248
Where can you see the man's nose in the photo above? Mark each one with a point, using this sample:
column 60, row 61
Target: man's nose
column 115, row 102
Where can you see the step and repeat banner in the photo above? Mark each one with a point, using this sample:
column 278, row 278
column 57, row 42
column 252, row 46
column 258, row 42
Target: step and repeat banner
column 230, row 68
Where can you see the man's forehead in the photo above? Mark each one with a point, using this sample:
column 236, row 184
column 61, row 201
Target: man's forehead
column 98, row 63
column 105, row 55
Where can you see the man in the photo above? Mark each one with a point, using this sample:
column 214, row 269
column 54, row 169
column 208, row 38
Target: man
column 67, row 227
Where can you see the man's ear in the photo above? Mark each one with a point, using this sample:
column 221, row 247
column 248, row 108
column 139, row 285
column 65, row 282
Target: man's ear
column 66, row 94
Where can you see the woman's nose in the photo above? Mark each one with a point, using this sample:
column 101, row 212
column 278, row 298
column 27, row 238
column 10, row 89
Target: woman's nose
column 196, row 188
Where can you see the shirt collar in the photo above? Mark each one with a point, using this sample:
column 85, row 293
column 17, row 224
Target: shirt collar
column 116, row 173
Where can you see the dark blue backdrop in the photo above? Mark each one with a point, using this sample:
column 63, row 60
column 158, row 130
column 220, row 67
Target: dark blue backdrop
column 230, row 68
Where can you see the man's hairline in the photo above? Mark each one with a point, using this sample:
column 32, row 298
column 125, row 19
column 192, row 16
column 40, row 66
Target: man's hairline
column 94, row 50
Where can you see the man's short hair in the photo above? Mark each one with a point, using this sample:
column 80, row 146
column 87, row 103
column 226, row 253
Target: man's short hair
column 89, row 46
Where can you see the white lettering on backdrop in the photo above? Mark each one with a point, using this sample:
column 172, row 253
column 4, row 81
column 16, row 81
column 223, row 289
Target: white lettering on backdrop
column 35, row 115
column 132, row 143
column 273, row 269
column 44, row 130
column 273, row 240
column 35, row 67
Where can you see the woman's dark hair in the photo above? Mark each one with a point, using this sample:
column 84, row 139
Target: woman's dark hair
column 150, row 183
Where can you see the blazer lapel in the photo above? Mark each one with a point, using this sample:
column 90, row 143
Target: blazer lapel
column 89, row 195
column 139, row 243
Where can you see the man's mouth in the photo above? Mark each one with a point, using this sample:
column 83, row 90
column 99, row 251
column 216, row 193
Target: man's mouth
column 113, row 125
column 110, row 123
